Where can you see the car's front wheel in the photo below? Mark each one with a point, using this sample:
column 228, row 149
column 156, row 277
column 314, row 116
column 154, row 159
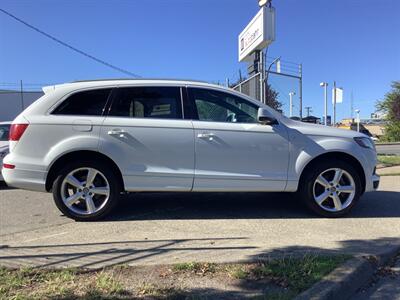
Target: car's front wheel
column 331, row 189
column 86, row 191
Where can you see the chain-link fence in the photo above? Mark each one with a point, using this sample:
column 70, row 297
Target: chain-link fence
column 250, row 87
column 282, row 87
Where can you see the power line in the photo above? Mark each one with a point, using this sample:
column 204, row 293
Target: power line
column 69, row 46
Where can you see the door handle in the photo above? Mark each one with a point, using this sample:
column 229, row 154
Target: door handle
column 118, row 132
column 206, row 136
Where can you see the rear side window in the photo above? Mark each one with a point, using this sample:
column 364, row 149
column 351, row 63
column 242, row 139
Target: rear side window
column 147, row 102
column 87, row 103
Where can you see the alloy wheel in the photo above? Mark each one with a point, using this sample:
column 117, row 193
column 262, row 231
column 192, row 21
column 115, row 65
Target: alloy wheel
column 334, row 189
column 85, row 191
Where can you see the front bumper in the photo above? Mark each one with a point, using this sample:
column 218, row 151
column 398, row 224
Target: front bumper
column 372, row 183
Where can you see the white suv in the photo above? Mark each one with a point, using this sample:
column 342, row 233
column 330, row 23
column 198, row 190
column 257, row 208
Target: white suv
column 90, row 141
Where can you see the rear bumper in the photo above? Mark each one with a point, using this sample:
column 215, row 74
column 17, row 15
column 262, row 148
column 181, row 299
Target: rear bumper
column 25, row 179
column 24, row 176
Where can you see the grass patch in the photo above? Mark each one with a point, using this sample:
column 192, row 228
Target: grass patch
column 298, row 274
column 238, row 271
column 279, row 279
column 195, row 267
column 389, row 160
column 390, row 174
column 108, row 284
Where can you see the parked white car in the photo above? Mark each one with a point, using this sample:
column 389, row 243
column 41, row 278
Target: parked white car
column 90, row 141
column 4, row 132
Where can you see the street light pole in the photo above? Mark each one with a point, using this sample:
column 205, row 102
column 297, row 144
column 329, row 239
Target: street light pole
column 266, row 76
column 325, row 85
column 334, row 103
column 291, row 104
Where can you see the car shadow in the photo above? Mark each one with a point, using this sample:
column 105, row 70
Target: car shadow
column 4, row 186
column 171, row 206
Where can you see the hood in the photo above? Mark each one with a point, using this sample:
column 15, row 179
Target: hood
column 322, row 130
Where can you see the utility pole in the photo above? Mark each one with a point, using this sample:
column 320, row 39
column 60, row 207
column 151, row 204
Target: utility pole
column 291, row 104
column 22, row 97
column 301, row 91
column 325, row 86
column 308, row 109
column 351, row 106
column 334, row 103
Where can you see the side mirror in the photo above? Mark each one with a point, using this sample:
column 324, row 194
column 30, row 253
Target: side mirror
column 264, row 117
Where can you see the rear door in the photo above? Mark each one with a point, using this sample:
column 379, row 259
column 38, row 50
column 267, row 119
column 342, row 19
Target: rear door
column 233, row 151
column 146, row 135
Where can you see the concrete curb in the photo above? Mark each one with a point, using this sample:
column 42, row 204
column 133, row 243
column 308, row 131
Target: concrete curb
column 343, row 282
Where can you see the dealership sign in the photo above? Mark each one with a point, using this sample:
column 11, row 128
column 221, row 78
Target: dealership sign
column 258, row 34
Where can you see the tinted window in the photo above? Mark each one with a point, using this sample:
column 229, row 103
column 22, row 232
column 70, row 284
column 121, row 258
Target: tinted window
column 148, row 102
column 4, row 132
column 89, row 103
column 217, row 106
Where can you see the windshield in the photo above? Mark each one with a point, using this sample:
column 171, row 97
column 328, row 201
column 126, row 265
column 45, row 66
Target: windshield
column 4, row 131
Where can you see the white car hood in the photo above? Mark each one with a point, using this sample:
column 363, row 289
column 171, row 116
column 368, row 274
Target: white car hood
column 321, row 130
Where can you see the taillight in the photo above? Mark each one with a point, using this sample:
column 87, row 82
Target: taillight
column 8, row 166
column 16, row 131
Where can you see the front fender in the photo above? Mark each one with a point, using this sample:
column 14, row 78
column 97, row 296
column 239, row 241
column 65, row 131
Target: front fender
column 306, row 148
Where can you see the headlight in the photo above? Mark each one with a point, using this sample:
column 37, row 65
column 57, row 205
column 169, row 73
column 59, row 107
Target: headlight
column 365, row 142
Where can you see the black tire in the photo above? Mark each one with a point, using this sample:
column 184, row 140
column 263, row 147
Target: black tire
column 307, row 185
column 113, row 183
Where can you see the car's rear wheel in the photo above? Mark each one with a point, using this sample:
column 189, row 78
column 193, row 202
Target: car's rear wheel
column 86, row 191
column 331, row 189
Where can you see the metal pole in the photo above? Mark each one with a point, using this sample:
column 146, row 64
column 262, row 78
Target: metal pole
column 301, row 92
column 291, row 104
column 326, row 103
column 334, row 103
column 22, row 97
column 266, row 76
column 261, row 70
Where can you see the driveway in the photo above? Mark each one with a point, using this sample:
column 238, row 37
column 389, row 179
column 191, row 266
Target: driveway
column 177, row 227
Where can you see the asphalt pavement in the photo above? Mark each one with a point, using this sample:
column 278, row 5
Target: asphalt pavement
column 156, row 228
column 391, row 149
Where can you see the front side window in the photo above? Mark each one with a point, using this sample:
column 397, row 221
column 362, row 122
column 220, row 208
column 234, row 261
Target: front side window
column 147, row 102
column 215, row 106
column 87, row 103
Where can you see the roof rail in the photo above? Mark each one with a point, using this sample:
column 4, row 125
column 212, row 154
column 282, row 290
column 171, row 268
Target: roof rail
column 138, row 79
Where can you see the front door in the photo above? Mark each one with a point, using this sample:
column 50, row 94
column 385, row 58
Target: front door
column 145, row 134
column 233, row 151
